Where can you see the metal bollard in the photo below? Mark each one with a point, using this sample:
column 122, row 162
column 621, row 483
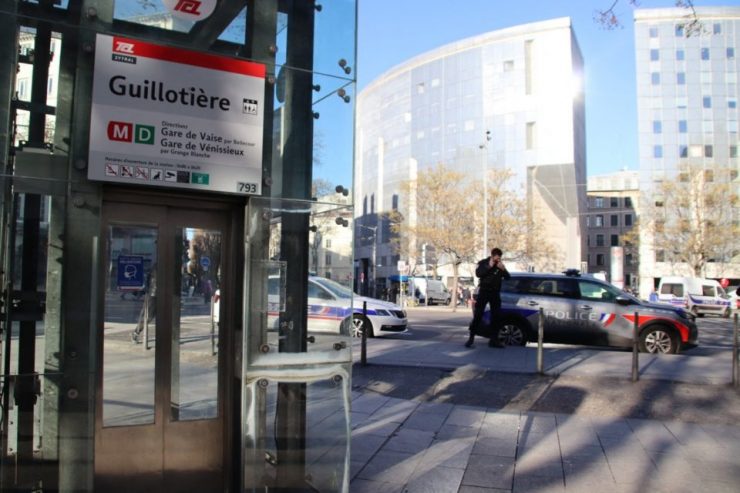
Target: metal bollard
column 735, row 375
column 635, row 339
column 540, row 338
column 363, row 343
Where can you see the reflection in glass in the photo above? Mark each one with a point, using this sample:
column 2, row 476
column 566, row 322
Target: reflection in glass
column 195, row 327
column 325, row 451
column 128, row 366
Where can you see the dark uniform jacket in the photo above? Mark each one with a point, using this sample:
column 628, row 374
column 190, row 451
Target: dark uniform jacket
column 490, row 277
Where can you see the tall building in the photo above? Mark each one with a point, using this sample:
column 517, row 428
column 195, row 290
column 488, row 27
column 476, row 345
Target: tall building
column 507, row 99
column 612, row 201
column 687, row 96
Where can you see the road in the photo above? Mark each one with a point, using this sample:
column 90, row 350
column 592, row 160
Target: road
column 442, row 324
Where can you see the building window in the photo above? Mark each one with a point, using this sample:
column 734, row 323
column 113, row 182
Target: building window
column 599, row 259
column 679, row 31
column 660, row 256
column 705, row 53
column 599, row 221
column 733, row 151
column 654, row 55
column 508, row 65
column 599, row 202
column 420, row 88
column 707, row 101
column 730, row 53
column 614, row 202
column 328, row 258
column 328, row 243
column 614, row 220
column 530, row 136
column 717, row 28
column 683, row 127
column 588, row 221
column 628, row 201
column 588, row 240
column 657, row 127
column 599, row 240
column 683, row 151
column 732, row 103
column 628, row 261
column 708, row 150
column 681, row 78
column 732, row 126
column 680, row 55
column 657, row 151
column 615, row 240
column 628, row 219
column 653, row 32
column 655, row 78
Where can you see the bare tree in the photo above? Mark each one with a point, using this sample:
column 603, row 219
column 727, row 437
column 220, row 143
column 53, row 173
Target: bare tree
column 693, row 220
column 610, row 19
column 443, row 210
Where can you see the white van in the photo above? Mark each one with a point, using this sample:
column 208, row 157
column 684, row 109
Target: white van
column 699, row 296
column 435, row 290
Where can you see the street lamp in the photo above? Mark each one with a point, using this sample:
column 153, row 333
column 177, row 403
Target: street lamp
column 374, row 231
column 484, row 164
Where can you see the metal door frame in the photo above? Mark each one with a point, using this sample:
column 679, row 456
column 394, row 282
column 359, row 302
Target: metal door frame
column 156, row 209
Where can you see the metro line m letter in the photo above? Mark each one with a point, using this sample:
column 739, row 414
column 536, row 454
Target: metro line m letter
column 120, row 131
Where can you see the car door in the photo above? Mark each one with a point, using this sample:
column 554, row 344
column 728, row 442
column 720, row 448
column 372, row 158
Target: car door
column 596, row 311
column 323, row 309
column 556, row 297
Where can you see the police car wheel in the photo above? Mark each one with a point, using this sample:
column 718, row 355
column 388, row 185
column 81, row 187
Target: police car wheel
column 359, row 324
column 659, row 339
column 512, row 333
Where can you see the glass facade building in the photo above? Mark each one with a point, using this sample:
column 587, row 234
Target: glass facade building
column 508, row 99
column 687, row 98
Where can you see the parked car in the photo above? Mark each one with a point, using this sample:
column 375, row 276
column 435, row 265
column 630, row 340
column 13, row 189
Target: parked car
column 330, row 304
column 585, row 310
column 732, row 295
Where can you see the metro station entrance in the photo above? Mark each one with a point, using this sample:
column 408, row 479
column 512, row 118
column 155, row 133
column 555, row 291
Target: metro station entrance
column 163, row 344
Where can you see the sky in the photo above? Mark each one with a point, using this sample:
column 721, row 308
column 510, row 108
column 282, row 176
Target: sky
column 389, row 32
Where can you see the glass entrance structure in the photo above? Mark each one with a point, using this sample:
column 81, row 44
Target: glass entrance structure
column 157, row 163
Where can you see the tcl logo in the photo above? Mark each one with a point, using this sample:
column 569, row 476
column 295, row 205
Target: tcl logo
column 192, row 10
column 123, row 47
column 188, row 6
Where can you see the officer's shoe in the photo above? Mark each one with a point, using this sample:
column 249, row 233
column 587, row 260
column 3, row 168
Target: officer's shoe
column 469, row 342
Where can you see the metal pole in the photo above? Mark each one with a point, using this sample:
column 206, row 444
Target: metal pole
column 213, row 328
column 540, row 339
column 735, row 375
column 363, row 341
column 635, row 338
column 147, row 301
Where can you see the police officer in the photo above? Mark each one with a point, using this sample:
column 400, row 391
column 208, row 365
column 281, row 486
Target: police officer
column 491, row 272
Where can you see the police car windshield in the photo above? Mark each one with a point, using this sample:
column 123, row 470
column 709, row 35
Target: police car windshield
column 336, row 289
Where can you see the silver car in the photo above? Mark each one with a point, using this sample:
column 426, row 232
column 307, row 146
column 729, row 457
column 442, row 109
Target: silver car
column 585, row 310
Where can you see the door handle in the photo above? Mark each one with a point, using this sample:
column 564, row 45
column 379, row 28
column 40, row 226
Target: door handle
column 586, row 307
column 532, row 303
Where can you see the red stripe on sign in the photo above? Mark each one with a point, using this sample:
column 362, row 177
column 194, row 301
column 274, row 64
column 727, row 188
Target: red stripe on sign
column 131, row 47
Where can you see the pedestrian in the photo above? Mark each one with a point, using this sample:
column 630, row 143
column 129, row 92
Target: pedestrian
column 491, row 271
column 149, row 308
column 653, row 297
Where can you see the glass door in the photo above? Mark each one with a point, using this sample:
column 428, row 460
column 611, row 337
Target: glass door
column 160, row 409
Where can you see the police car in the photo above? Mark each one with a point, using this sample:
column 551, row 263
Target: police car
column 584, row 310
column 331, row 305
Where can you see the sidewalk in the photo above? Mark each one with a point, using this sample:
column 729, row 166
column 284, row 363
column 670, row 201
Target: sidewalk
column 412, row 446
column 714, row 370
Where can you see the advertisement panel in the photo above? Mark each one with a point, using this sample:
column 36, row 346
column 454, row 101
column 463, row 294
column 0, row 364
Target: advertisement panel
column 169, row 117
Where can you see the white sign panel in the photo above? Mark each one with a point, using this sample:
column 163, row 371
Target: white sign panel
column 175, row 118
